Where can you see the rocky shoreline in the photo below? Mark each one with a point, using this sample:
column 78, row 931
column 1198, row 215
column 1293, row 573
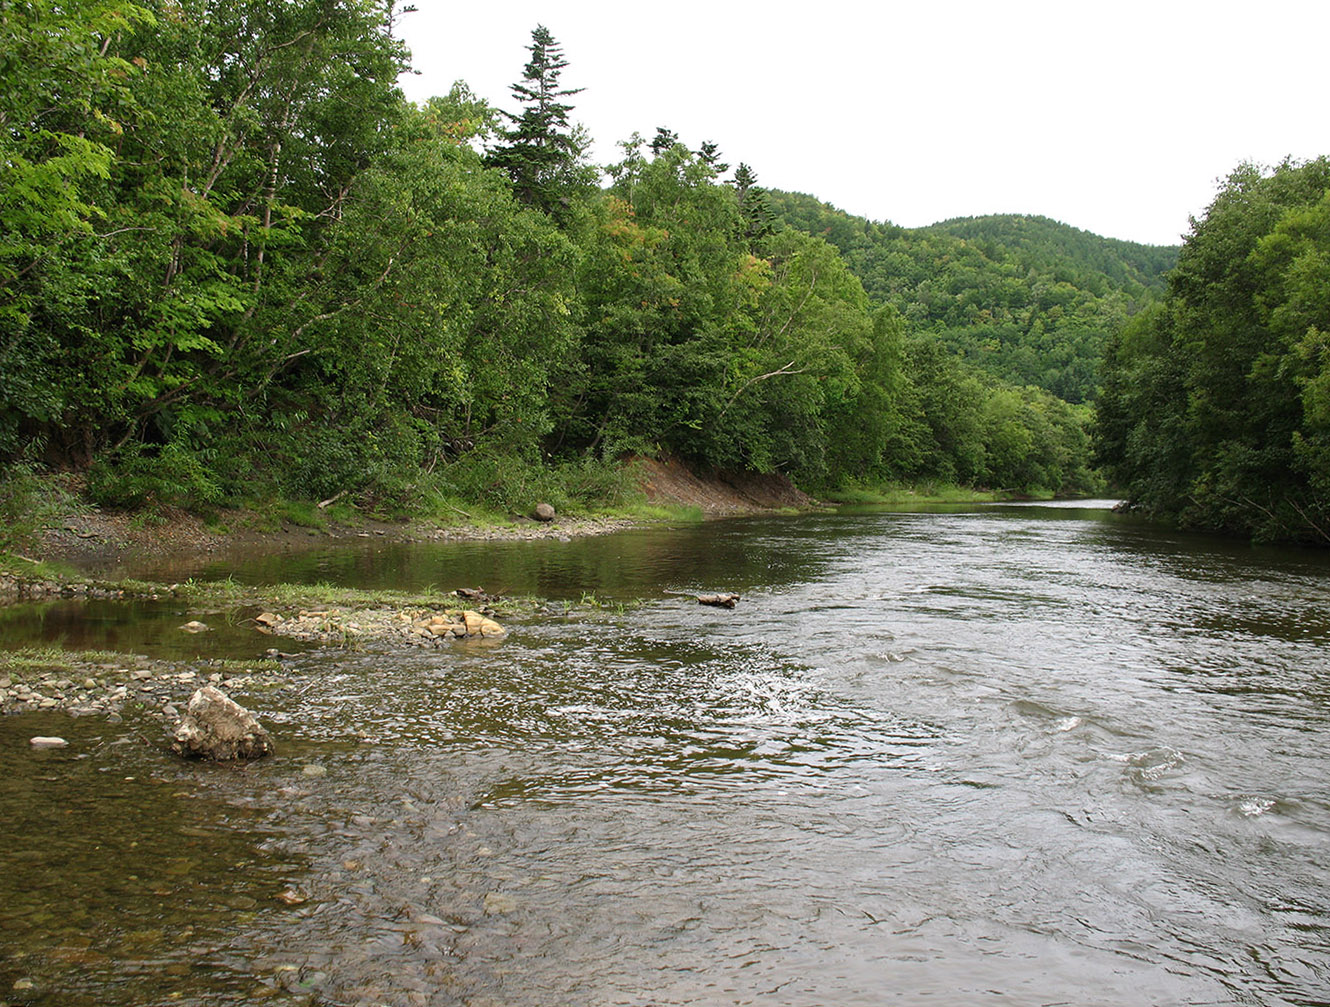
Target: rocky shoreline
column 113, row 685
column 157, row 689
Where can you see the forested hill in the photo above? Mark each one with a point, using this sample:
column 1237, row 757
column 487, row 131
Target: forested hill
column 1027, row 299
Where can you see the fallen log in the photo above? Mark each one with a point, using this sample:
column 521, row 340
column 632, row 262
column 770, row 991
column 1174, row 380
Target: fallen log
column 718, row 600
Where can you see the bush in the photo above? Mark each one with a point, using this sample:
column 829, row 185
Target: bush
column 134, row 477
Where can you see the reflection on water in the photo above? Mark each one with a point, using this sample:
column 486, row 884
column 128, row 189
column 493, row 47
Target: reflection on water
column 1028, row 754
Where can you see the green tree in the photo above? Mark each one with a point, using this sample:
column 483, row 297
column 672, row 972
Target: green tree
column 541, row 151
column 1212, row 414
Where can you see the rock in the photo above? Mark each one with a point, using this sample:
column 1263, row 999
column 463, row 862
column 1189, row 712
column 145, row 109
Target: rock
column 42, row 741
column 478, row 625
column 217, row 727
column 194, row 626
column 313, row 769
column 497, row 903
column 268, row 619
column 543, row 512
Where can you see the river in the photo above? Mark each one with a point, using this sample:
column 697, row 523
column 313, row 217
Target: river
column 1020, row 755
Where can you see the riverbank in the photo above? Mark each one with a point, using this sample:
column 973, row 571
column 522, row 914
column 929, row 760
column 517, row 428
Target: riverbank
column 59, row 527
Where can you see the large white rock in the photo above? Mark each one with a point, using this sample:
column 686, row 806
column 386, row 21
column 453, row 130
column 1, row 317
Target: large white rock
column 217, row 727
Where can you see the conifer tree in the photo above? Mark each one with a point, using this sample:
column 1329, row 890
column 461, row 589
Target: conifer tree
column 540, row 151
column 754, row 203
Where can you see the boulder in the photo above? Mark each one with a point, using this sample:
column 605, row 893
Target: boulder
column 479, row 625
column 544, row 512
column 217, row 727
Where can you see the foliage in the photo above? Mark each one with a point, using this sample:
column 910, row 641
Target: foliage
column 1026, row 299
column 541, row 152
column 1214, row 411
column 236, row 264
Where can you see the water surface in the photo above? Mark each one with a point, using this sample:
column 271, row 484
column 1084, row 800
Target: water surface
column 1019, row 755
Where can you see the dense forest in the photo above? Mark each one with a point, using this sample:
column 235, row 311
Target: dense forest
column 236, row 264
column 1026, row 299
column 1215, row 412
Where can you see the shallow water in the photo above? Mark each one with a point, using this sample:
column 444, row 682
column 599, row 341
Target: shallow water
column 1020, row 755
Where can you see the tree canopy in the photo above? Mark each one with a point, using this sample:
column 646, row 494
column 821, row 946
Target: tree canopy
column 1215, row 407
column 235, row 260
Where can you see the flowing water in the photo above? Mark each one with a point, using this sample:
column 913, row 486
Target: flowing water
column 1009, row 755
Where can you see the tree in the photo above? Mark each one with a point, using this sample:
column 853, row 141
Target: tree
column 541, row 152
column 1213, row 414
column 754, row 204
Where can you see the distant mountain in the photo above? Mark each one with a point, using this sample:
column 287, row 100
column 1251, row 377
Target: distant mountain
column 1027, row 299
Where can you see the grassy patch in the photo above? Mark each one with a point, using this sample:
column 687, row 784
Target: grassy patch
column 228, row 592
column 673, row 513
column 30, row 500
column 40, row 660
column 31, row 569
column 912, row 493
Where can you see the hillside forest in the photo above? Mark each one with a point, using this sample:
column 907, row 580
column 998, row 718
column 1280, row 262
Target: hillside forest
column 237, row 264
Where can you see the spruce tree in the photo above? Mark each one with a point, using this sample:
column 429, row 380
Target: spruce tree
column 540, row 151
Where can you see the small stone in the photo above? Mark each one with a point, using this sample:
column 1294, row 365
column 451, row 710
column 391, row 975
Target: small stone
column 268, row 619
column 291, row 897
column 194, row 626
column 90, row 683
column 497, row 902
column 315, row 770
column 43, row 741
column 24, row 984
column 544, row 512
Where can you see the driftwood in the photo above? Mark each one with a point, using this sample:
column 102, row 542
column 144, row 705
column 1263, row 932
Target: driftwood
column 325, row 504
column 477, row 594
column 718, row 600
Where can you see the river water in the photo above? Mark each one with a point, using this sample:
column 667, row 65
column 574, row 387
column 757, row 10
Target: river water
column 1013, row 755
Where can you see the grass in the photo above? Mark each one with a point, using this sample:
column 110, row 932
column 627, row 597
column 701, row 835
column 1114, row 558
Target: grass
column 27, row 661
column 910, row 493
column 37, row 660
column 32, row 569
column 320, row 595
column 671, row 513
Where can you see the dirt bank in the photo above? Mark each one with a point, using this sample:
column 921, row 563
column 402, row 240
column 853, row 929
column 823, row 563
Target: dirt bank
column 717, row 494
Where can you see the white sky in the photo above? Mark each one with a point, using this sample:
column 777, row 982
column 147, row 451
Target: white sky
column 1117, row 118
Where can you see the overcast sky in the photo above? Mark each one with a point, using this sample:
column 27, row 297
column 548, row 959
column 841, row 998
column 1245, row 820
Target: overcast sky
column 1117, row 118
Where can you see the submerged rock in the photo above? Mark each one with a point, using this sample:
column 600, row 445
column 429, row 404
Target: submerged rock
column 217, row 727
column 47, row 742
